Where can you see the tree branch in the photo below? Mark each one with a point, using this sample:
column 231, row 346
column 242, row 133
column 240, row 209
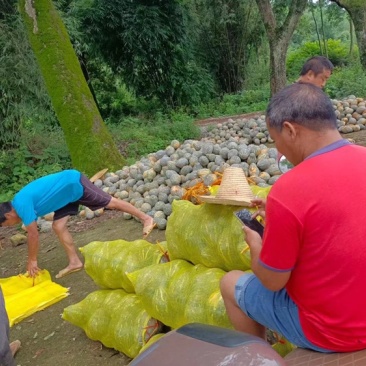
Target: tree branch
column 296, row 9
column 267, row 15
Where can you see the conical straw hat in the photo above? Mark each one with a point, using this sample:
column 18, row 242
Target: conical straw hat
column 234, row 189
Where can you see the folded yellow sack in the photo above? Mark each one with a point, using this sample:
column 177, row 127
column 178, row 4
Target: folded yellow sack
column 25, row 296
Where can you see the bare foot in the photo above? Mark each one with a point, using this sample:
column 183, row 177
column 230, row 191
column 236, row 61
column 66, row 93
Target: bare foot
column 14, row 347
column 148, row 220
column 69, row 269
column 149, row 225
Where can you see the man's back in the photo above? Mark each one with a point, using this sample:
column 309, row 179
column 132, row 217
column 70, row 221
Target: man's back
column 47, row 194
column 315, row 228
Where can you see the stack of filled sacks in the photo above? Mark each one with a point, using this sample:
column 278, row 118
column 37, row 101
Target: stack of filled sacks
column 203, row 243
column 115, row 315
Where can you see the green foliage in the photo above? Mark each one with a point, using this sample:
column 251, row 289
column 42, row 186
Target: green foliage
column 228, row 33
column 138, row 137
column 337, row 53
column 347, row 81
column 147, row 43
column 232, row 104
column 41, row 152
column 23, row 98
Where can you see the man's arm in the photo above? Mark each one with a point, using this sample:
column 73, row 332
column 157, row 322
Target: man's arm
column 272, row 280
column 33, row 244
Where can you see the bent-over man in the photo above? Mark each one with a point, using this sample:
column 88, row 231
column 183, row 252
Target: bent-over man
column 61, row 193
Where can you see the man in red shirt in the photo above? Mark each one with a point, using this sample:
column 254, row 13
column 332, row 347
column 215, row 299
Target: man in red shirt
column 310, row 269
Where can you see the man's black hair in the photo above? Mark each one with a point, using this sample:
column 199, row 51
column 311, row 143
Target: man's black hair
column 304, row 104
column 317, row 65
column 5, row 207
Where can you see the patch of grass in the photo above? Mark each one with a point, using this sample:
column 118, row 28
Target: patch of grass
column 139, row 137
column 231, row 104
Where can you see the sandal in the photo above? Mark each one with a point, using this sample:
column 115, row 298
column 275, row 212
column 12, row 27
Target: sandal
column 64, row 272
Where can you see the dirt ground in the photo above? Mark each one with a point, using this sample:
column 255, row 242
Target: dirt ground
column 46, row 338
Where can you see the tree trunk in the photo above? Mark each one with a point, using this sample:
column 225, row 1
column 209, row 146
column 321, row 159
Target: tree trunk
column 357, row 11
column 323, row 33
column 350, row 36
column 90, row 144
column 277, row 57
column 316, row 29
column 279, row 37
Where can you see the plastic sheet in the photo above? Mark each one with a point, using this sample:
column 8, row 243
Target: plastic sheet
column 108, row 263
column 115, row 318
column 178, row 293
column 25, row 296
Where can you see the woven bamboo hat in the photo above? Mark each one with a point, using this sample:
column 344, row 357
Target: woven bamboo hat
column 234, row 189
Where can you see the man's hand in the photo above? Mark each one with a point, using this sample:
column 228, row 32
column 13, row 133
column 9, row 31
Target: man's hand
column 260, row 205
column 272, row 280
column 33, row 238
column 32, row 268
column 253, row 239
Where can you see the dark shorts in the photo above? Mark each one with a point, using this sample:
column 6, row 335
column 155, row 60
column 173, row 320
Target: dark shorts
column 93, row 198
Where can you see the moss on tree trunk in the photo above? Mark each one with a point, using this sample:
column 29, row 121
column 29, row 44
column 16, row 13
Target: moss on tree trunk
column 90, row 144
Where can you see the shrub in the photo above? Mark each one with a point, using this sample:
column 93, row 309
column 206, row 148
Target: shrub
column 347, row 81
column 231, row 104
column 39, row 154
column 337, row 53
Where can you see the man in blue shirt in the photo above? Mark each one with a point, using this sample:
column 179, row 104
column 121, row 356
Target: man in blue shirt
column 61, row 193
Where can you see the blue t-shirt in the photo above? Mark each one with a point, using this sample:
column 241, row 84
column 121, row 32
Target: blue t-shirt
column 47, row 194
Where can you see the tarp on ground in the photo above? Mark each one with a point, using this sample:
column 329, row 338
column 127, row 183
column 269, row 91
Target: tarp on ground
column 25, row 296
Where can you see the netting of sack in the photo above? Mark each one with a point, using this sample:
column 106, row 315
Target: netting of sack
column 207, row 234
column 178, row 293
column 108, row 263
column 151, row 341
column 115, row 318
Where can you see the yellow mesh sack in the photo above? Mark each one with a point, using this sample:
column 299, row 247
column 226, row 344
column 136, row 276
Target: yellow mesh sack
column 207, row 234
column 24, row 295
column 260, row 192
column 151, row 341
column 178, row 293
column 108, row 263
column 115, row 318
column 282, row 346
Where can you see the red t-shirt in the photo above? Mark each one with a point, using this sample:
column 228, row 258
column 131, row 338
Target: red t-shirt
column 316, row 228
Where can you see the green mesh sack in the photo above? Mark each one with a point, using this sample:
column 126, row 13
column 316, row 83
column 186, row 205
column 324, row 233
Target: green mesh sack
column 207, row 234
column 178, row 293
column 115, row 318
column 108, row 263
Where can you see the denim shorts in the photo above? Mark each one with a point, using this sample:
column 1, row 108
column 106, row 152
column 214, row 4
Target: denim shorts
column 273, row 309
